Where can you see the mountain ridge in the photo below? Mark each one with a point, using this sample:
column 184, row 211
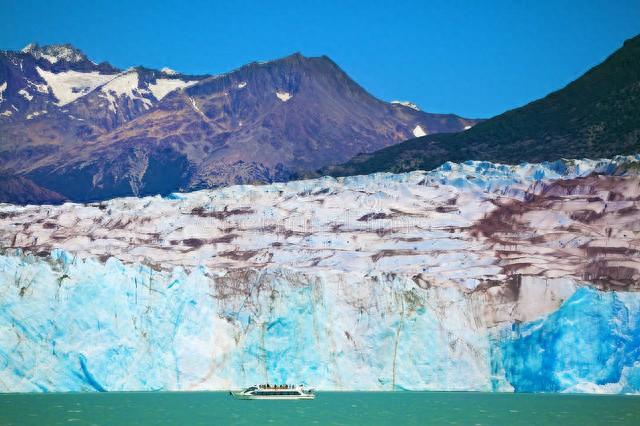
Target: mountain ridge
column 94, row 132
column 594, row 116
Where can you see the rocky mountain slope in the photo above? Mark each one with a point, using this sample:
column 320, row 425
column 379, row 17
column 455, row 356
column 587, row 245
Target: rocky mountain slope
column 86, row 131
column 597, row 115
column 474, row 276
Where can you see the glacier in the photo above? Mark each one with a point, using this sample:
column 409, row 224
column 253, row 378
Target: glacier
column 380, row 282
column 591, row 344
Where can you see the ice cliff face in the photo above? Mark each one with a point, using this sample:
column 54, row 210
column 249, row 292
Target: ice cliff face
column 474, row 276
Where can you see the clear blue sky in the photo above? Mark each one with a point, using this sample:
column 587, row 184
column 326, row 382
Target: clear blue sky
column 474, row 58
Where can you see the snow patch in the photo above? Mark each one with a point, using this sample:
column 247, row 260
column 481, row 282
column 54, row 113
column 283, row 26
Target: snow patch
column 7, row 113
column 418, row 131
column 169, row 71
column 283, row 96
column 163, row 86
column 50, row 58
column 467, row 127
column 68, row 86
column 3, row 87
column 242, row 85
column 25, row 94
column 124, row 85
column 42, row 88
column 35, row 114
column 407, row 104
column 195, row 107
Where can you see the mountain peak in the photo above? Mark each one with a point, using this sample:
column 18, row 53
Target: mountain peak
column 262, row 122
column 169, row 71
column 55, row 52
column 295, row 56
column 299, row 57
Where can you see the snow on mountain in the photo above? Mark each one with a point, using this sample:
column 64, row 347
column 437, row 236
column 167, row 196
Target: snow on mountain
column 67, row 86
column 202, row 131
column 35, row 114
column 3, row 87
column 25, row 94
column 128, row 85
column 283, row 96
column 41, row 88
column 55, row 52
column 451, row 279
column 169, row 71
column 163, row 86
column 124, row 85
column 418, row 131
column 73, row 77
column 407, row 104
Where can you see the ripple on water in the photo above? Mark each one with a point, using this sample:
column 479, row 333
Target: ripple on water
column 460, row 409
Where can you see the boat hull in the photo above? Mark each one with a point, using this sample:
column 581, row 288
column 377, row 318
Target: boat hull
column 239, row 395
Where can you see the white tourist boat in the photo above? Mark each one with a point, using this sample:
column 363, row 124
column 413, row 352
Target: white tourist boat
column 275, row 392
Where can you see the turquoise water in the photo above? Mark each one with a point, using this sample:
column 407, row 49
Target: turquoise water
column 329, row 408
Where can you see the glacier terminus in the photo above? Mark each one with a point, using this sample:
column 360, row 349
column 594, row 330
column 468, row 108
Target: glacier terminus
column 474, row 276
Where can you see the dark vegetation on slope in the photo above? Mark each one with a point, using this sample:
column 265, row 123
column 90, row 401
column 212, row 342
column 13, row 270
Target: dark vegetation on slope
column 597, row 115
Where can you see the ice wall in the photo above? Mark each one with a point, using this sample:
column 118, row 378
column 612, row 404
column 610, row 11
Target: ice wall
column 474, row 276
column 71, row 324
column 82, row 325
column 591, row 344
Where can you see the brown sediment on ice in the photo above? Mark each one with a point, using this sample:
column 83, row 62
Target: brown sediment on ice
column 239, row 254
column 587, row 228
column 373, row 216
column 580, row 229
column 222, row 214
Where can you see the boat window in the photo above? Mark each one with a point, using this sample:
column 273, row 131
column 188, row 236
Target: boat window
column 276, row 393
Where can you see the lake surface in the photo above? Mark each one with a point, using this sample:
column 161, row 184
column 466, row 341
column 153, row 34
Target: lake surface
column 329, row 408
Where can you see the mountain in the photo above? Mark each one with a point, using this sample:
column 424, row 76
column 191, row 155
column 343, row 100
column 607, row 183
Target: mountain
column 63, row 53
column 89, row 131
column 474, row 276
column 597, row 115
column 53, row 97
